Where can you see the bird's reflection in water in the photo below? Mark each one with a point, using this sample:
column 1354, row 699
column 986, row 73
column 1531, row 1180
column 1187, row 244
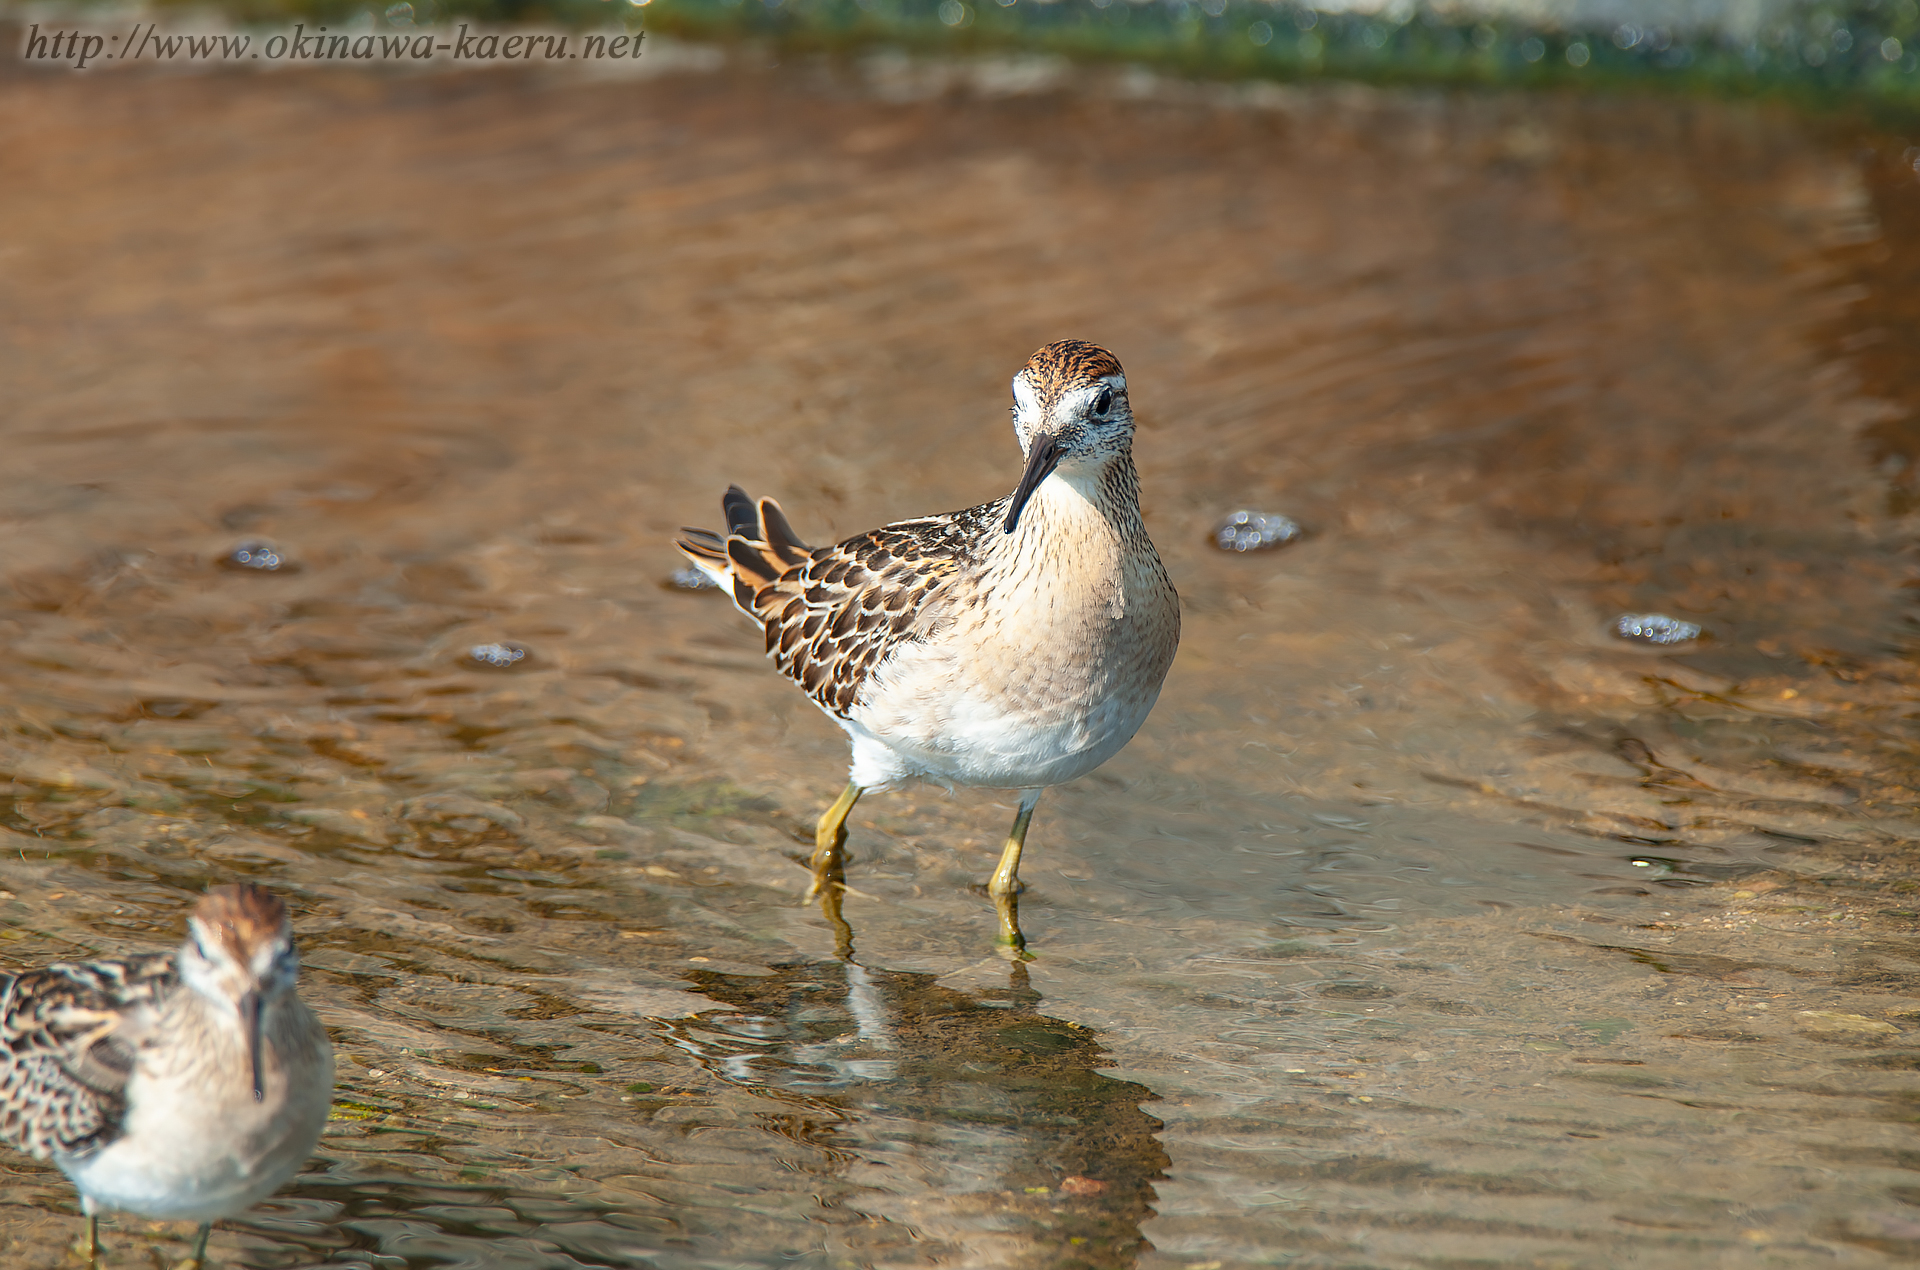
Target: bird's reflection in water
column 968, row 1115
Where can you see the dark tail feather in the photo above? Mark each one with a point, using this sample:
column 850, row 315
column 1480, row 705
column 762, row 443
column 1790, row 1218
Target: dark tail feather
column 758, row 547
column 780, row 536
column 751, row 564
column 702, row 543
column 740, row 517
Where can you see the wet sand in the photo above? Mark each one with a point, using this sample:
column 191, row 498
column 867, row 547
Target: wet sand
column 1424, row 924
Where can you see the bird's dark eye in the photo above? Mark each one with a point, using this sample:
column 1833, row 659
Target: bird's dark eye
column 1104, row 402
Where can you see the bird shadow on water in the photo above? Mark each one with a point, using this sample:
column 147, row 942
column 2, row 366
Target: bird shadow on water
column 971, row 1116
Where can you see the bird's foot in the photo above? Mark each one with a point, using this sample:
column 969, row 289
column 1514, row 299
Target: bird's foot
column 828, row 865
column 830, row 898
column 1014, row 950
column 87, row 1246
column 826, row 878
column 829, row 862
column 1012, row 943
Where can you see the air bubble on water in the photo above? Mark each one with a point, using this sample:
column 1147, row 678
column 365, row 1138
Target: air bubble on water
column 259, row 557
column 1255, row 531
column 497, row 656
column 688, row 578
column 1655, row 628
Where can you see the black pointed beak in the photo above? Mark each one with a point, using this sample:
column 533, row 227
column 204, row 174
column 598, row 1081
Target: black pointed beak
column 250, row 1020
column 1041, row 460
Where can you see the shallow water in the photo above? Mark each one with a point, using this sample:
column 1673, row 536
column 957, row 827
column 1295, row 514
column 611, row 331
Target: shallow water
column 1427, row 923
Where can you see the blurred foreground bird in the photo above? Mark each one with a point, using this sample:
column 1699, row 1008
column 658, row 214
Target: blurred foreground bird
column 181, row 1086
column 1018, row 644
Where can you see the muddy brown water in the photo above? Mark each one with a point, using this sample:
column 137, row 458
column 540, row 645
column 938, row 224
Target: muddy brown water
column 1425, row 924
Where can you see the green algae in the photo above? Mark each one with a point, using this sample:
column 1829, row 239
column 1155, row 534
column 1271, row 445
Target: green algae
column 1864, row 52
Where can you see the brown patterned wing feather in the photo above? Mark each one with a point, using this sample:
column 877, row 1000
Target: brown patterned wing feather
column 832, row 620
column 833, row 615
column 67, row 1039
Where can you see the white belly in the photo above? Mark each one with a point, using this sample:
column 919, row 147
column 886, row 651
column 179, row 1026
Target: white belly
column 985, row 746
column 191, row 1153
column 1026, row 717
column 195, row 1180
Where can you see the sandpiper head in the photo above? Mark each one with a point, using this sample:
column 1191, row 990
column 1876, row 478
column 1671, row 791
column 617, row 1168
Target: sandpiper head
column 1069, row 409
column 239, row 956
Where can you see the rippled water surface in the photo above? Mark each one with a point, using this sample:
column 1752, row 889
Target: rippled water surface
column 1427, row 924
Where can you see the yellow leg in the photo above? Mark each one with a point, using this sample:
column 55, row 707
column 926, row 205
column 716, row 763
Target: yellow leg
column 93, row 1239
column 199, row 1260
column 828, row 837
column 1005, row 887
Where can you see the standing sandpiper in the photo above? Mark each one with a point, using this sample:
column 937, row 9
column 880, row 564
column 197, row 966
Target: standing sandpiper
column 183, row 1086
column 1017, row 644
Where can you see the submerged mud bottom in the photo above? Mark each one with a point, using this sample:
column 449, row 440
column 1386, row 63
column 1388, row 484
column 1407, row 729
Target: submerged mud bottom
column 1427, row 923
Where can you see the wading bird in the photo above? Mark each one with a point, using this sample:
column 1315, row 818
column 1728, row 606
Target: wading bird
column 1017, row 644
column 181, row 1086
